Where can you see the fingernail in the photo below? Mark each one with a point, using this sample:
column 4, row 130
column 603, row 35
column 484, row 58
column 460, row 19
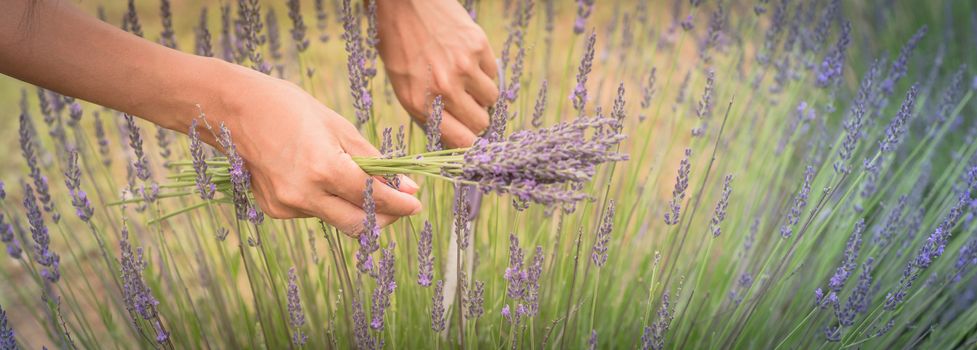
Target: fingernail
column 409, row 182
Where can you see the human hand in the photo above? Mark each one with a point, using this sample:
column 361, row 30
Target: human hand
column 432, row 47
column 299, row 154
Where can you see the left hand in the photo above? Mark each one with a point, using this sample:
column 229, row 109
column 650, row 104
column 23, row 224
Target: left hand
column 432, row 47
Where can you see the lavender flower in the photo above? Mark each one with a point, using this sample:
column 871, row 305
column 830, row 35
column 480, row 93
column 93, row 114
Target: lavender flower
column 800, row 201
column 897, row 127
column 475, row 301
column 3, row 191
column 425, row 258
column 437, row 310
column 7, row 339
column 847, row 266
column 536, row 165
column 462, row 211
column 579, row 96
column 648, row 91
column 74, row 114
column 167, row 37
column 296, row 316
column 252, row 27
column 370, row 235
column 514, row 275
column 205, row 187
column 599, row 255
column 298, row 24
column 705, row 104
column 9, row 239
column 202, row 45
column 321, row 20
column 227, row 39
column 361, row 329
column 654, row 335
column 537, row 120
column 433, row 125
column 592, row 342
column 139, row 299
column 355, row 63
column 584, row 9
column 240, row 180
column 533, row 273
column 141, row 163
column 385, row 287
column 274, row 36
column 43, row 255
column 678, row 194
column 720, row 213
column 618, row 112
column 130, row 22
column 833, row 65
column 83, row 207
column 682, row 89
column 900, row 65
column 853, row 124
column 950, row 95
column 27, row 147
column 498, row 121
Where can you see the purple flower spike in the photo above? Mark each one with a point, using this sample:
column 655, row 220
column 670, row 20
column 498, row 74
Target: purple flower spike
column 537, row 120
column 425, row 256
column 437, row 310
column 678, row 194
column 800, row 202
column 9, row 239
column 433, row 125
column 584, row 9
column 579, row 95
column 385, row 287
column 599, row 256
column 370, row 235
column 43, row 254
column 720, row 213
column 205, row 187
column 296, row 316
column 7, row 339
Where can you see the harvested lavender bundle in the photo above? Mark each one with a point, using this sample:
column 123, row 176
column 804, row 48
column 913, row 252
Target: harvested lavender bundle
column 545, row 166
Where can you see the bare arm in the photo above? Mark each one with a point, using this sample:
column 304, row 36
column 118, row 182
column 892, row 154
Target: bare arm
column 298, row 151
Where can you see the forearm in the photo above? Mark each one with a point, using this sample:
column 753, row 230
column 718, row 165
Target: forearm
column 55, row 45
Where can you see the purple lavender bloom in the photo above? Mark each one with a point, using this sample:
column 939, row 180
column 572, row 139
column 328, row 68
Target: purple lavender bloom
column 800, row 202
column 425, row 257
column 898, row 126
column 893, row 222
column 103, row 140
column 240, row 180
column 618, row 112
column 584, row 9
column 833, row 65
column 537, row 120
column 3, row 191
column 856, row 116
column 579, row 95
column 370, row 235
column 130, row 22
column 296, row 316
column 361, row 329
column 298, row 24
column 202, row 45
column 385, row 288
column 533, row 273
column 536, row 165
column 9, row 239
column 43, row 254
column 7, row 339
column 27, row 146
column 514, row 275
column 654, row 336
column 138, row 298
column 498, row 121
column 682, row 89
column 437, row 310
column 357, row 57
column 592, row 342
column 141, row 163
column 687, row 23
column 462, row 212
column 950, row 95
column 433, row 125
column 74, row 114
column 506, row 312
column 274, row 35
column 205, row 187
column 847, row 266
column 599, row 255
column 705, row 104
column 227, row 41
column 163, row 141
column 252, row 27
column 648, row 91
column 83, row 207
column 321, row 22
column 900, row 66
column 678, row 194
column 167, row 37
column 720, row 214
column 475, row 301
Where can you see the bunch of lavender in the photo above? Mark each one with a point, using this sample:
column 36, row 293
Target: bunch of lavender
column 546, row 166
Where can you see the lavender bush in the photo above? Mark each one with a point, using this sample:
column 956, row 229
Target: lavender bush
column 702, row 174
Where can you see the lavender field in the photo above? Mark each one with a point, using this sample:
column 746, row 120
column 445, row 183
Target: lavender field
column 703, row 174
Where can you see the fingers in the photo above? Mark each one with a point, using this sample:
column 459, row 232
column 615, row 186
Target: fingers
column 349, row 182
column 463, row 108
column 454, row 134
column 486, row 61
column 482, row 88
column 362, row 148
column 344, row 215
